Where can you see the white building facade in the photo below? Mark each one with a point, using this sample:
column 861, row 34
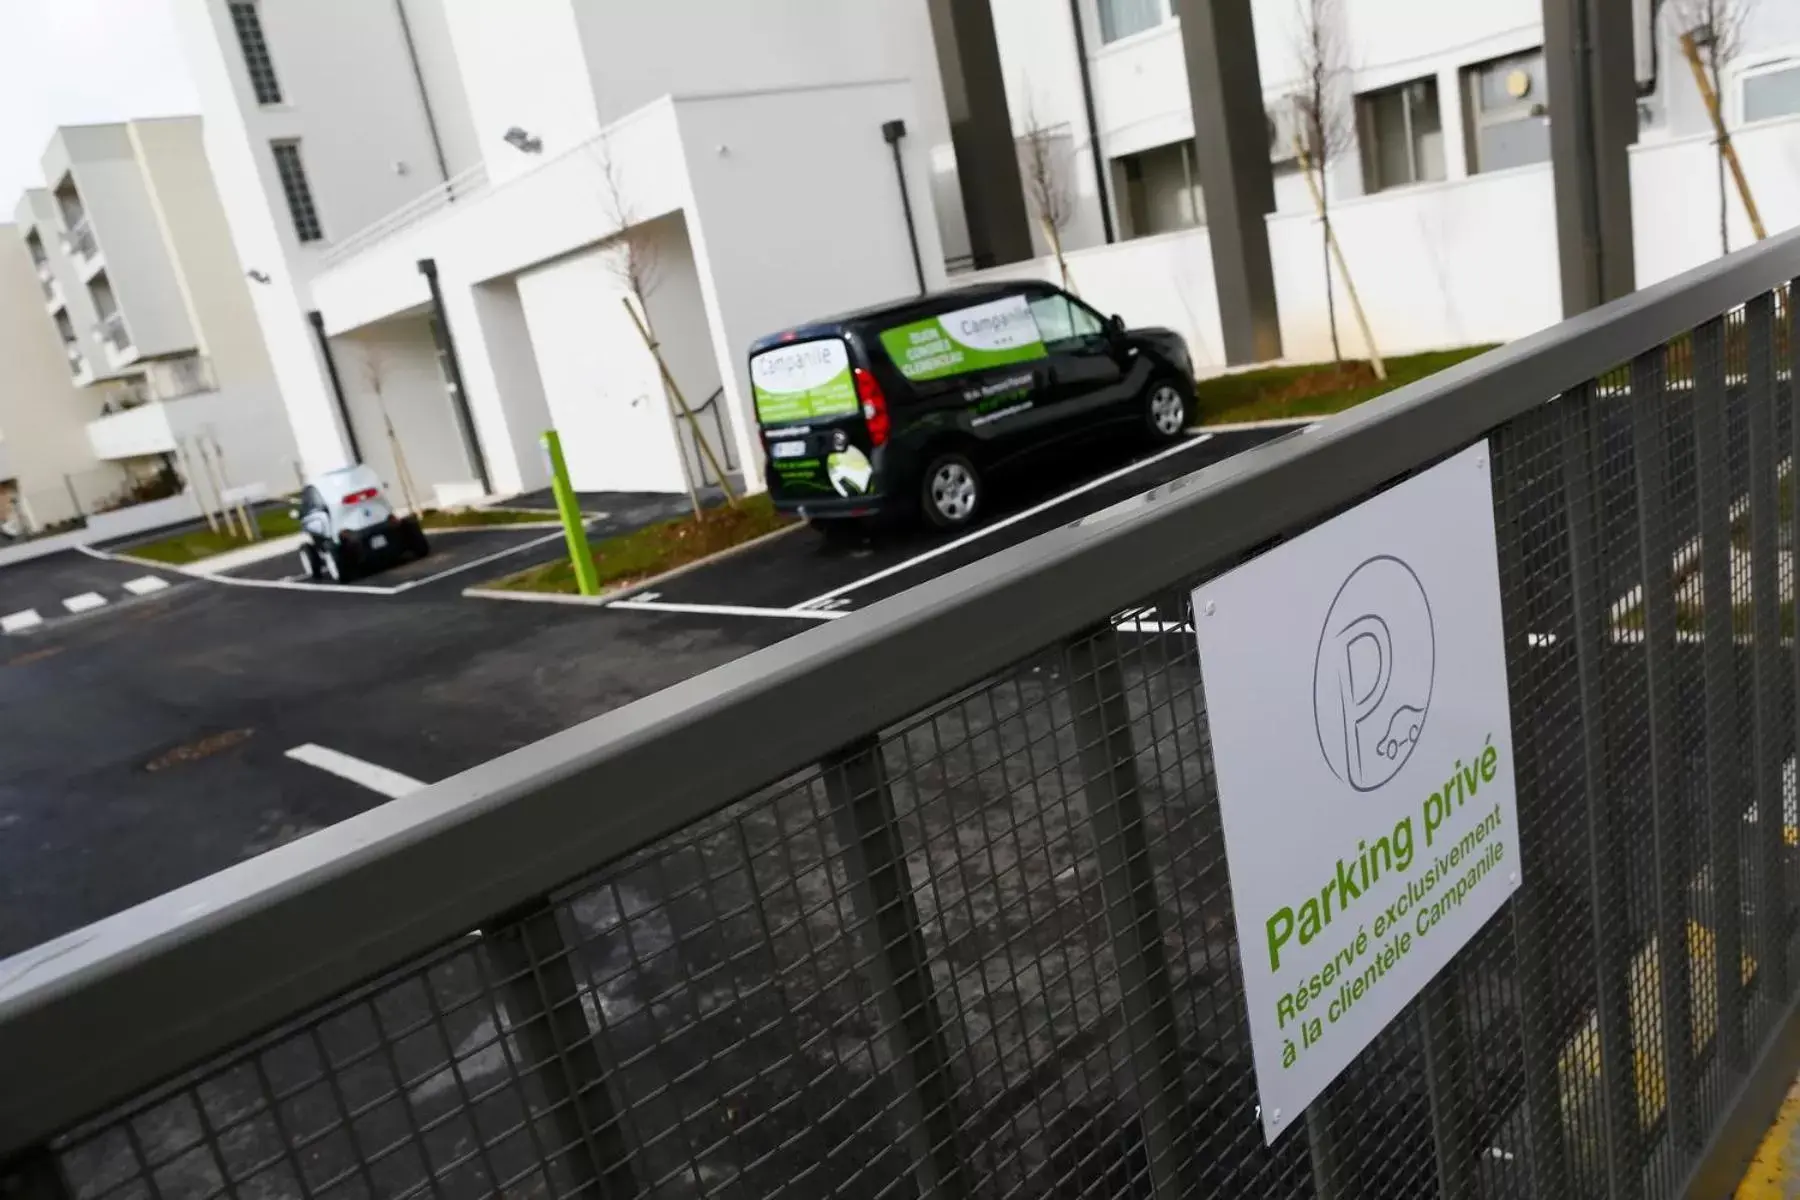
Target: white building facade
column 445, row 202
column 143, row 290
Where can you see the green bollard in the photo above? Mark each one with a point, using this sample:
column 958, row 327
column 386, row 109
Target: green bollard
column 580, row 553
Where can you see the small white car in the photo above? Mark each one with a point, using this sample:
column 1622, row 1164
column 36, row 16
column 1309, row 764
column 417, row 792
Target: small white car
column 351, row 528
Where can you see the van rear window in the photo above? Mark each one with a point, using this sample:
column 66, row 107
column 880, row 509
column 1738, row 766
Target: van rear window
column 995, row 334
column 803, row 382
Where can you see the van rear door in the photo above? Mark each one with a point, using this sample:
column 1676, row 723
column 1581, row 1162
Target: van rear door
column 814, row 436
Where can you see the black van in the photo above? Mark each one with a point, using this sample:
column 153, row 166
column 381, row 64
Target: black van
column 910, row 406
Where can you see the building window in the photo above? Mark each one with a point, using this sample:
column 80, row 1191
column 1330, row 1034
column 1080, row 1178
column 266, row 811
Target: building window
column 1159, row 190
column 1773, row 91
column 299, row 193
column 1402, row 138
column 1508, row 121
column 1122, row 18
column 256, row 51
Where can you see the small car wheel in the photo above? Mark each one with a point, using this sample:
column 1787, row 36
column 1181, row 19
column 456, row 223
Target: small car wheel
column 952, row 493
column 417, row 543
column 334, row 565
column 309, row 562
column 1166, row 410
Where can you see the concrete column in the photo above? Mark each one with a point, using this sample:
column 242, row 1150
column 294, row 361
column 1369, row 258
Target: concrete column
column 499, row 369
column 1593, row 122
column 1231, row 141
column 987, row 164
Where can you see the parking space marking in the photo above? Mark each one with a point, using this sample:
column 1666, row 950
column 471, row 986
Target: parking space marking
column 391, row 784
column 146, row 585
column 728, row 610
column 15, row 622
column 85, row 602
column 510, row 550
column 997, row 526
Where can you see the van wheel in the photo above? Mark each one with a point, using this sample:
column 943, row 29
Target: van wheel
column 1166, row 410
column 952, row 492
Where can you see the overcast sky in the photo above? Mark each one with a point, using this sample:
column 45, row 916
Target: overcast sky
column 76, row 62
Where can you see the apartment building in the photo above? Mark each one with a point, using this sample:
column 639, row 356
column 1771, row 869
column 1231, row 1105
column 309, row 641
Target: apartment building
column 444, row 201
column 145, row 293
column 1419, row 92
column 44, row 413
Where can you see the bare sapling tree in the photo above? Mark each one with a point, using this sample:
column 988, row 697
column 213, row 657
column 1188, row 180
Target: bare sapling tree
column 1047, row 185
column 1323, row 124
column 636, row 265
column 1716, row 28
column 376, row 372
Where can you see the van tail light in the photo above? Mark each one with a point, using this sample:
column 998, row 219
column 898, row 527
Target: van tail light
column 359, row 497
column 874, row 406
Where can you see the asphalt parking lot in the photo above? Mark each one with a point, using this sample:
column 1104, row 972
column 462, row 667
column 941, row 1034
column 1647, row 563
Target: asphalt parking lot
column 183, row 724
column 802, row 578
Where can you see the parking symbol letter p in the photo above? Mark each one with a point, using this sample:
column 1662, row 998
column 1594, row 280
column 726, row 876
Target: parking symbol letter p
column 1365, row 658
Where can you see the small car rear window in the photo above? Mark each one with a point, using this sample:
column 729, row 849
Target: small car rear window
column 803, row 381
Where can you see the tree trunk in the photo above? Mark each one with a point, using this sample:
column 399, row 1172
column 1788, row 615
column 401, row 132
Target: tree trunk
column 1337, row 352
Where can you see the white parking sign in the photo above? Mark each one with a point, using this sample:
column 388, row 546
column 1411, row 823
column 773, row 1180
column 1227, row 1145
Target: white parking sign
column 1355, row 683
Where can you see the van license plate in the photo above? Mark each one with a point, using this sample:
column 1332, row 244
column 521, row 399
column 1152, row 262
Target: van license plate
column 787, row 449
column 378, row 542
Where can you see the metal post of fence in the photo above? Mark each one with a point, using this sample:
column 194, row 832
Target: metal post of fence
column 537, row 983
column 1611, row 960
column 1448, row 1085
column 33, row 1175
column 1766, row 658
column 1650, row 453
column 1723, row 803
column 1530, row 927
column 1322, row 1146
column 1102, row 719
column 896, row 962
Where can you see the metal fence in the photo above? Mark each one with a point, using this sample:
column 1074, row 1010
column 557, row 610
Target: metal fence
column 932, row 900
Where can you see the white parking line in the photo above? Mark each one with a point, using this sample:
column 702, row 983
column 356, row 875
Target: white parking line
column 85, row 602
column 997, row 526
column 146, row 585
column 728, row 610
column 14, row 622
column 469, row 566
column 391, row 784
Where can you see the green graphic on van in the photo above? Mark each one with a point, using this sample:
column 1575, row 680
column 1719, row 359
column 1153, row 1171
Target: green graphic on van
column 849, row 470
column 803, row 382
column 969, row 339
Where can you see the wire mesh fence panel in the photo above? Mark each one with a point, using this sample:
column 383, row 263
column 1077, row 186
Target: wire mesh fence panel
column 990, row 950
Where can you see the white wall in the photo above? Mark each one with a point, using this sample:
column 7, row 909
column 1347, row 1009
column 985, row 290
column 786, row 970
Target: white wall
column 1442, row 265
column 208, row 274
column 1439, row 265
column 438, row 63
column 138, row 266
column 43, row 416
column 256, row 449
column 605, row 395
column 1675, row 196
column 260, row 229
column 777, row 245
column 522, row 65
column 401, row 354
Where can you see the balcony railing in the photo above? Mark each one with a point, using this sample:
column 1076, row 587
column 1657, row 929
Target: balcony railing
column 47, row 284
column 112, row 329
column 82, row 243
column 457, row 187
column 77, row 364
column 181, row 377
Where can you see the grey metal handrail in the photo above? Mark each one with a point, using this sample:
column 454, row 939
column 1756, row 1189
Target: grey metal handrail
column 152, row 991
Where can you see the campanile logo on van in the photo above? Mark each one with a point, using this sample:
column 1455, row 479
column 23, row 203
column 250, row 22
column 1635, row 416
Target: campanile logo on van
column 1373, row 672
